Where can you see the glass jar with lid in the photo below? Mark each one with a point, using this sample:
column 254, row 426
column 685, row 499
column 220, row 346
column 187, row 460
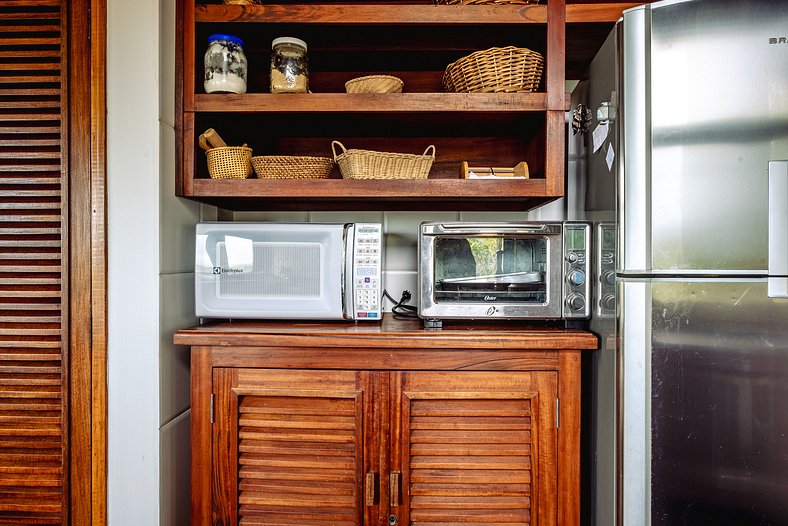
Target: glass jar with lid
column 289, row 66
column 225, row 64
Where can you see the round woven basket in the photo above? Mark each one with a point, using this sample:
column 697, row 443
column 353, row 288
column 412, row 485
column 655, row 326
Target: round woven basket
column 292, row 167
column 485, row 2
column 496, row 70
column 229, row 162
column 374, row 84
column 368, row 164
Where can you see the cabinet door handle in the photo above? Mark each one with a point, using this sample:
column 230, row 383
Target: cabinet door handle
column 369, row 489
column 394, row 481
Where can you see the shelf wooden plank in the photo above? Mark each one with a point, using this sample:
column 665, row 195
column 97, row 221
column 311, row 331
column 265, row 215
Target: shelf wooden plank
column 394, row 14
column 597, row 13
column 367, row 188
column 371, row 102
column 414, row 14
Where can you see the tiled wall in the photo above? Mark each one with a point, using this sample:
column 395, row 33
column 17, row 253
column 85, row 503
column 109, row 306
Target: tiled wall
column 400, row 230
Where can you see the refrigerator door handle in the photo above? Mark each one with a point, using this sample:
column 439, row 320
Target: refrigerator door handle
column 778, row 229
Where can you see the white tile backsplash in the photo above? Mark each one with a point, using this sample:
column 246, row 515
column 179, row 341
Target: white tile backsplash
column 176, row 312
column 346, row 217
column 395, row 281
column 167, row 61
column 289, row 217
column 174, row 471
column 178, row 215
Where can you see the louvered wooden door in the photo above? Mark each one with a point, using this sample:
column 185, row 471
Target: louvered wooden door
column 33, row 199
column 474, row 448
column 292, row 447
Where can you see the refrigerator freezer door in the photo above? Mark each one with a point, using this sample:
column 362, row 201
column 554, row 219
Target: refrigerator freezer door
column 705, row 110
column 706, row 414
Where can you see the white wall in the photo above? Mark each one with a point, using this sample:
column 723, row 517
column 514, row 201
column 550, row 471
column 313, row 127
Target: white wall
column 133, row 251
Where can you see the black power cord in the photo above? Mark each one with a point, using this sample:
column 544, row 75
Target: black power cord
column 400, row 308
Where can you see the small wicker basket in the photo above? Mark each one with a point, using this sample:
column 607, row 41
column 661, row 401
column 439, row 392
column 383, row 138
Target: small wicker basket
column 229, row 162
column 496, row 70
column 292, row 167
column 374, row 84
column 367, row 164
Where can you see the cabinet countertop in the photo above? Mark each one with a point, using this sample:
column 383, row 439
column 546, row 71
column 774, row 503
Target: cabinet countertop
column 391, row 332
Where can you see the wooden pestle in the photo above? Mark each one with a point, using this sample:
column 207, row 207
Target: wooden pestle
column 213, row 138
column 203, row 142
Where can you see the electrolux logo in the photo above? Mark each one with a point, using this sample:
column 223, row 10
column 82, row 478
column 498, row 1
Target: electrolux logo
column 227, row 270
column 778, row 40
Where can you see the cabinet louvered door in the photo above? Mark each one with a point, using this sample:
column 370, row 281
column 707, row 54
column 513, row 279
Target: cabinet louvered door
column 474, row 449
column 289, row 447
column 32, row 262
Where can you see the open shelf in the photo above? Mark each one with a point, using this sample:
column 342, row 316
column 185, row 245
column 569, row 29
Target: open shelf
column 414, row 40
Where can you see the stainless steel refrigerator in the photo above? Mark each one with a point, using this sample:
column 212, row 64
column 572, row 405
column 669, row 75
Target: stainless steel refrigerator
column 685, row 169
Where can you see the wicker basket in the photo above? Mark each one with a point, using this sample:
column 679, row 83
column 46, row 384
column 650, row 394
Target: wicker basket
column 374, row 84
column 496, row 70
column 241, row 2
column 229, row 162
column 292, row 167
column 366, row 164
column 485, row 2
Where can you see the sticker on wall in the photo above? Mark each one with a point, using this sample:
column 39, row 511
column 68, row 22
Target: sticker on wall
column 599, row 135
column 610, row 157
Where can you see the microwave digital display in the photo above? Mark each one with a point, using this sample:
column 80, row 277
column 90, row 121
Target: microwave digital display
column 490, row 269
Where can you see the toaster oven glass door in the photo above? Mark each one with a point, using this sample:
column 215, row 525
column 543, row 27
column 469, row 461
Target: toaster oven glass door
column 485, row 269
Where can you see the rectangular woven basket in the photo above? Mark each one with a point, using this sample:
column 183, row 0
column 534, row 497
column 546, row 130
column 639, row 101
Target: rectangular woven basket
column 368, row 164
column 292, row 167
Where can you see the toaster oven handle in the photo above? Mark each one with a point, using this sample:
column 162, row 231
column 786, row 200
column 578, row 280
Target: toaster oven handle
column 486, row 228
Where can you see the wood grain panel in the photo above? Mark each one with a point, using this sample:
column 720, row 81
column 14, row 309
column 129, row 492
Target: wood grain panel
column 300, row 451
column 32, row 264
column 471, row 452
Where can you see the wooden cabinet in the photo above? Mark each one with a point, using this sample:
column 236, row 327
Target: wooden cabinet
column 368, row 424
column 415, row 41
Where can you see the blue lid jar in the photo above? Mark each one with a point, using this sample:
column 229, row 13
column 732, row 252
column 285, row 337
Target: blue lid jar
column 225, row 64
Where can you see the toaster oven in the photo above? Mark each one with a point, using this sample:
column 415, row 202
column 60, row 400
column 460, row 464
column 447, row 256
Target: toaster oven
column 503, row 270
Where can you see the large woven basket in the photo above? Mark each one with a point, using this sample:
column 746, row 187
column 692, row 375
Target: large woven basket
column 367, row 164
column 374, row 84
column 292, row 167
column 229, row 162
column 496, row 70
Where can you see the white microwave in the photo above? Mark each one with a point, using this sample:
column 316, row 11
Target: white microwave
column 319, row 271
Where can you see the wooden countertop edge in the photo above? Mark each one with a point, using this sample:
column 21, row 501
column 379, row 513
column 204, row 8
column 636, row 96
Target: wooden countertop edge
column 385, row 336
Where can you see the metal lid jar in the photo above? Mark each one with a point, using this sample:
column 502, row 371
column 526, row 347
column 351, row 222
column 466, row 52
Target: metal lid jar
column 225, row 65
column 289, row 66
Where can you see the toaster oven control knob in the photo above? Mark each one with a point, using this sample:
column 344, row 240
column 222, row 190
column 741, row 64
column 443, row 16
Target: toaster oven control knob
column 576, row 278
column 576, row 302
column 609, row 277
column 609, row 302
column 571, row 257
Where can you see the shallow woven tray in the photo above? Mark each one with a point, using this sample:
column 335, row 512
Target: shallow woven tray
column 496, row 70
column 374, row 84
column 229, row 162
column 368, row 164
column 292, row 167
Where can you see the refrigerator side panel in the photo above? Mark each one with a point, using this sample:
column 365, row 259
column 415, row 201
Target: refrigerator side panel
column 719, row 415
column 634, row 329
column 634, row 178
column 719, row 113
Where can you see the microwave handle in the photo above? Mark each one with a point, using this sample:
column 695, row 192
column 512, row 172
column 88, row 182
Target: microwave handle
column 778, row 229
column 349, row 242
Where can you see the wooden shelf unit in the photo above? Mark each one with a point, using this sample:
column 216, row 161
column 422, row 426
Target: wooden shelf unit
column 412, row 41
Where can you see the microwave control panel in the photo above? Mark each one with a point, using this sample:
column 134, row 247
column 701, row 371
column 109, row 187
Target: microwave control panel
column 576, row 270
column 367, row 265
